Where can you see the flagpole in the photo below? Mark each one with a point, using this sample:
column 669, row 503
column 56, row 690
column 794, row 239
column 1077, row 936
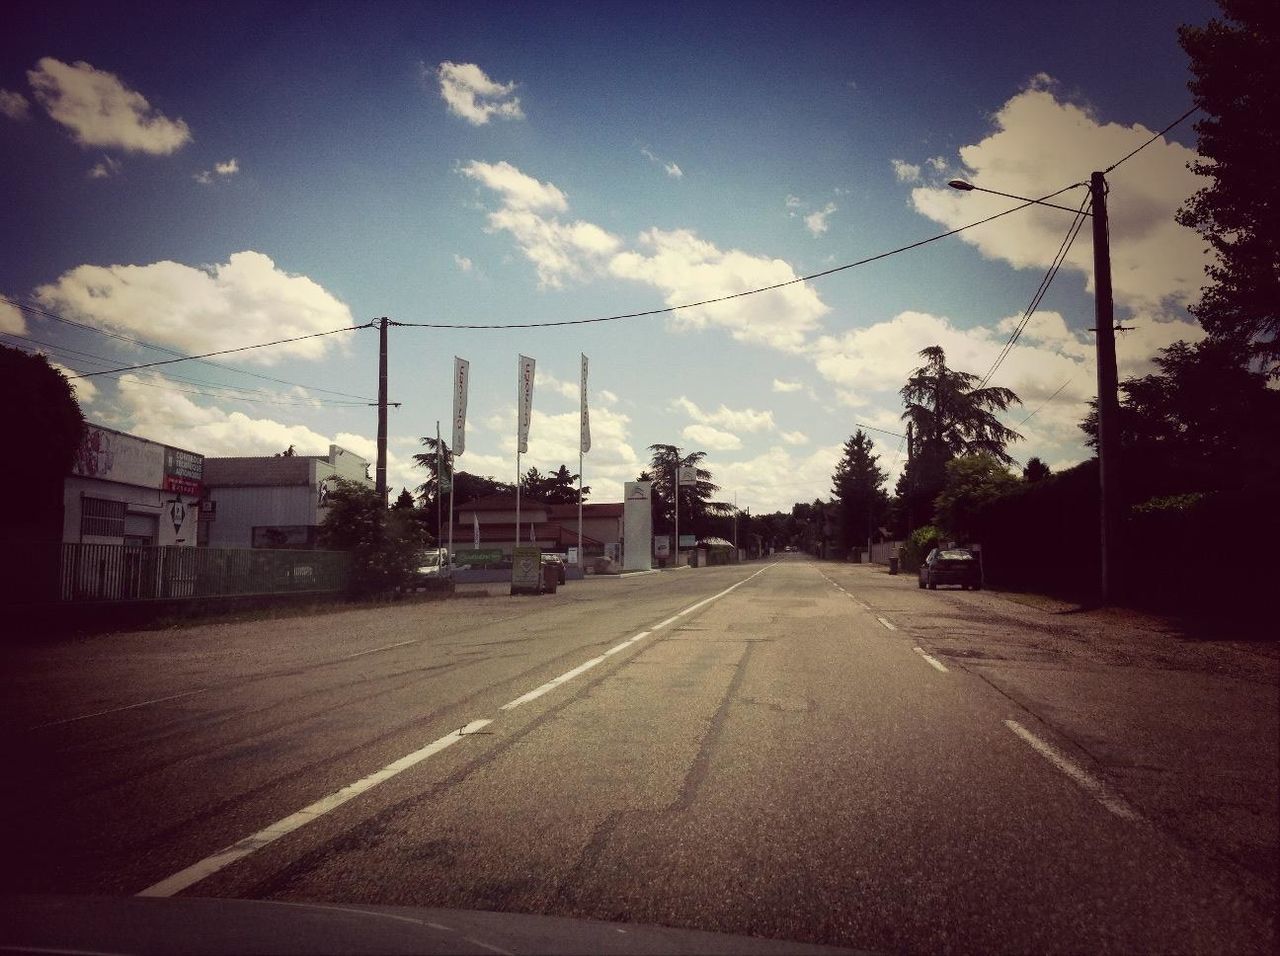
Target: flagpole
column 677, row 547
column 451, row 482
column 439, row 471
column 581, row 563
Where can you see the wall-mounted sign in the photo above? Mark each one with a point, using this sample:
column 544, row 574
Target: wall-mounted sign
column 183, row 471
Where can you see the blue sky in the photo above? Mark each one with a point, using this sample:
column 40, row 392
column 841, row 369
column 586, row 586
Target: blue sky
column 208, row 176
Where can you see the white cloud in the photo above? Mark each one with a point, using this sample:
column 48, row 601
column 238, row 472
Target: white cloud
column 463, row 263
column 938, row 163
column 14, row 105
column 243, row 301
column 219, row 171
column 101, row 111
column 559, row 250
column 1040, row 143
column 688, row 269
column 781, row 386
column 107, row 168
column 739, row 419
column 608, row 397
column 670, row 168
column 11, row 318
column 794, row 438
column 794, row 202
column 775, row 480
column 816, row 222
column 708, row 438
column 468, row 92
column 906, row 172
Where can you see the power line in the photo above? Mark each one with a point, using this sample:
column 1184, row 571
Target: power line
column 160, row 348
column 1060, row 257
column 242, row 348
column 1046, row 401
column 1135, row 152
column 884, row 430
column 736, row 295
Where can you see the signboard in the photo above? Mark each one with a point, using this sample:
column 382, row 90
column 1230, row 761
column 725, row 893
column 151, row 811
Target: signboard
column 114, row 456
column 526, row 570
column 573, row 556
column 687, row 475
column 208, row 509
column 478, row 556
column 461, row 372
column 183, row 471
column 662, row 546
column 688, row 540
column 584, row 419
column 525, row 413
column 637, row 524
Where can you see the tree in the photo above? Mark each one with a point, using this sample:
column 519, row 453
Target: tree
column 696, row 506
column 972, row 482
column 1235, row 66
column 383, row 544
column 858, row 488
column 45, row 428
column 951, row 414
column 289, row 452
column 405, row 500
column 1035, row 470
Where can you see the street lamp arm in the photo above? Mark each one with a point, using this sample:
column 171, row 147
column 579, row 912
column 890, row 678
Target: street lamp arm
column 963, row 186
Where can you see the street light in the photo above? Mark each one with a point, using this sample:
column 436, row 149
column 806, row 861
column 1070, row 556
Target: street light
column 1108, row 405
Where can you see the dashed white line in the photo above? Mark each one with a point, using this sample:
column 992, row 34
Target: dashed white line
column 116, row 710
column 931, row 659
column 887, row 624
column 1086, row 781
column 251, row 844
column 553, row 683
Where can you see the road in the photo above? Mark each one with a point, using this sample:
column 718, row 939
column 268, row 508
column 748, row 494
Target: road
column 795, row 750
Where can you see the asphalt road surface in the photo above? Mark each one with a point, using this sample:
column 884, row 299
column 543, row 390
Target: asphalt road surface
column 794, row 750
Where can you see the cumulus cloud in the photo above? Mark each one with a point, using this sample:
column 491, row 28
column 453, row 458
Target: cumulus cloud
column 1037, row 144
column 775, row 480
column 906, row 172
column 468, row 92
column 816, row 221
column 559, row 250
column 707, row 437
column 463, row 262
column 100, row 110
column 794, row 438
column 739, row 419
column 688, row 269
column 11, row 318
column 219, row 171
column 86, row 391
column 14, row 105
column 781, row 386
column 106, row 169
column 245, row 300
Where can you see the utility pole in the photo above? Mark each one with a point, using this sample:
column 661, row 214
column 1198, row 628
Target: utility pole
column 1108, row 405
column 911, row 481
column 380, row 475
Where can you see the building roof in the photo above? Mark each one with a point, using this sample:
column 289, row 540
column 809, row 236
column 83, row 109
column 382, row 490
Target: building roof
column 500, row 502
column 503, row 532
column 602, row 509
column 257, row 472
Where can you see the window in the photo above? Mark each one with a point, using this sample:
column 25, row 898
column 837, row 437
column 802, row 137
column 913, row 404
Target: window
column 101, row 517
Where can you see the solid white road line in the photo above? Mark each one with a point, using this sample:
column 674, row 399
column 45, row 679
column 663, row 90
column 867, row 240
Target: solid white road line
column 1095, row 787
column 931, row 659
column 251, row 844
column 886, row 623
column 116, row 710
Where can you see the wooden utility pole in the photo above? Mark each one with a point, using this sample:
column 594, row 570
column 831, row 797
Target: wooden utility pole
column 380, row 475
column 1108, row 404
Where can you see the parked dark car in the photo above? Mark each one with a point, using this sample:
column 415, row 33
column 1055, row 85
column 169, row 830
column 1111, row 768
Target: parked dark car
column 558, row 561
column 951, row 566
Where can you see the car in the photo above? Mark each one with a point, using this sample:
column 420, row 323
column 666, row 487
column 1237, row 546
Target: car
column 558, row 561
column 432, row 566
column 951, row 566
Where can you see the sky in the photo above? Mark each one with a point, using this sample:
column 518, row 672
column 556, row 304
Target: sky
column 201, row 177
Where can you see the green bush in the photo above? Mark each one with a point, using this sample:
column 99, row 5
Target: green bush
column 922, row 541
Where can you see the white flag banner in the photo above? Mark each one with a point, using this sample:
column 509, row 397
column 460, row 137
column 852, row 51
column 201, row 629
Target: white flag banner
column 585, row 445
column 461, row 371
column 526, row 403
column 687, row 475
column 475, row 529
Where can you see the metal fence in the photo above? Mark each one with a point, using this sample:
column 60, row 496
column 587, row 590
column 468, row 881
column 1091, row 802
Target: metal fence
column 115, row 572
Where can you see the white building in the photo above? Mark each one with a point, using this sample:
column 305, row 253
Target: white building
column 128, row 490
column 272, row 502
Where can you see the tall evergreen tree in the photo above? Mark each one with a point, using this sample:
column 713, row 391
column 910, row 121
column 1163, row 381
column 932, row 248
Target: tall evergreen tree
column 858, row 488
column 696, row 505
column 1235, row 66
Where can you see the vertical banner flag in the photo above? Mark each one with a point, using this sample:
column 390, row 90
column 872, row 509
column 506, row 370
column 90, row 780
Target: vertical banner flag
column 475, row 529
column 526, row 403
column 585, row 445
column 461, row 369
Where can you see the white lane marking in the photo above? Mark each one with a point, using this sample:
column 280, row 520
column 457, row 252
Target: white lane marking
column 1095, row 787
column 116, row 710
column 553, row 683
column 931, row 659
column 625, row 644
column 886, row 623
column 251, row 844
column 661, row 624
column 377, row 649
column 492, row 949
